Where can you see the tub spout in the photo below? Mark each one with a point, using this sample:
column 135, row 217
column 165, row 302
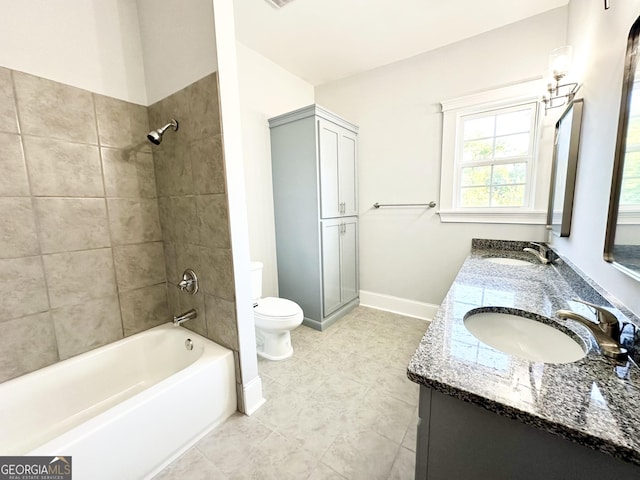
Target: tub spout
column 191, row 314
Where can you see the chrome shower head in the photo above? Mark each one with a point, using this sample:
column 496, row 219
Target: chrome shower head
column 155, row 136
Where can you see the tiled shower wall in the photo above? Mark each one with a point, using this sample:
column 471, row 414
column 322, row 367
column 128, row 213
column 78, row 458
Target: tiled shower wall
column 84, row 260
column 81, row 254
column 194, row 210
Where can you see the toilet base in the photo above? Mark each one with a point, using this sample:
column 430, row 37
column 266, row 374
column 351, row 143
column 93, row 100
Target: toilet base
column 274, row 345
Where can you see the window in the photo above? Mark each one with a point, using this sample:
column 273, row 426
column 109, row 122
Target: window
column 491, row 171
column 494, row 157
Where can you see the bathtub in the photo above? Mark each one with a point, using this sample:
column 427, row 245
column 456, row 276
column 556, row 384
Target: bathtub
column 122, row 411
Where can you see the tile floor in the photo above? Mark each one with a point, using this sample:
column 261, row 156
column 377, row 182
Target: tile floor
column 340, row 408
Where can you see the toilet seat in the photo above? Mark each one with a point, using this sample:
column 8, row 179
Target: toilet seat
column 276, row 309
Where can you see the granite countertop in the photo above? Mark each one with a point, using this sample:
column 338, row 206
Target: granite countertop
column 594, row 401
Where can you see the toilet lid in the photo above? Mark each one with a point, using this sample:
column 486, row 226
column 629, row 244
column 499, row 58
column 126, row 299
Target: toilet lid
column 276, row 307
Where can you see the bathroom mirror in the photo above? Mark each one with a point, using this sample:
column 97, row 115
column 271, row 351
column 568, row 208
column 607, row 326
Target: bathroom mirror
column 565, row 162
column 622, row 241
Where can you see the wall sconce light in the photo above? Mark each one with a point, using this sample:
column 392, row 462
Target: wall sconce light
column 559, row 94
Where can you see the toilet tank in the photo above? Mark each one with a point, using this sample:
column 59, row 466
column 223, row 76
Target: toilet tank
column 256, row 280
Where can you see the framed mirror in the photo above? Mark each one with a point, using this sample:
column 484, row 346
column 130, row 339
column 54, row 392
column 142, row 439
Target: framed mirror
column 565, row 163
column 622, row 241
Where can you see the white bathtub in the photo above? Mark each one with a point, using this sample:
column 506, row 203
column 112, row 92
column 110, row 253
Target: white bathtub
column 122, row 411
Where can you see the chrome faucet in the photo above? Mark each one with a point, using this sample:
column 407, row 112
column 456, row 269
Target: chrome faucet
column 606, row 329
column 542, row 253
column 190, row 315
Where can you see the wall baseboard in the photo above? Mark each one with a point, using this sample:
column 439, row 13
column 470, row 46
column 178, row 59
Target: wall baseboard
column 252, row 396
column 402, row 306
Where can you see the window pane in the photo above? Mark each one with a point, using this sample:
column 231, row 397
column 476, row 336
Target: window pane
column 476, row 176
column 474, row 196
column 509, row 173
column 630, row 192
column 633, row 130
column 478, row 150
column 479, row 128
column 514, row 122
column 508, row 196
column 512, row 145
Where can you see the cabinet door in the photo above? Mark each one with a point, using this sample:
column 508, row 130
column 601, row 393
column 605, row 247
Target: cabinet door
column 347, row 179
column 328, row 154
column 349, row 259
column 331, row 295
column 339, row 262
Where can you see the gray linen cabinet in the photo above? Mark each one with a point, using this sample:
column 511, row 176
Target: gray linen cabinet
column 314, row 168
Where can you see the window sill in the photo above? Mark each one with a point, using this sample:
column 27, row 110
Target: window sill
column 524, row 218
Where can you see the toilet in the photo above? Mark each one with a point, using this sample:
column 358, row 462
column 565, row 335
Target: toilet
column 274, row 318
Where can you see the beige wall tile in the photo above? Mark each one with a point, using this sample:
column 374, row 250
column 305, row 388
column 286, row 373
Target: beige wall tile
column 188, row 256
column 134, row 221
column 81, row 328
column 18, row 236
column 51, row 109
column 122, row 124
column 70, row 224
column 197, row 105
column 8, row 118
column 139, row 265
column 184, row 219
column 128, row 173
column 63, row 169
column 213, row 220
column 13, row 181
column 207, row 162
column 77, row 277
column 217, row 277
column 144, row 308
column 17, row 340
column 179, row 219
column 23, row 288
column 164, row 215
column 173, row 169
column 222, row 327
column 170, row 262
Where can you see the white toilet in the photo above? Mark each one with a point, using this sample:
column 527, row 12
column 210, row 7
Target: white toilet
column 274, row 317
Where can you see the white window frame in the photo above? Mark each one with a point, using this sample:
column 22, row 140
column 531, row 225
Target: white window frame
column 534, row 210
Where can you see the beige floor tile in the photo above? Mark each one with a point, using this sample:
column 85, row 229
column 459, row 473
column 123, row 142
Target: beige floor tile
column 322, row 472
column 404, row 465
column 339, row 409
column 229, row 445
column 276, row 459
column 364, row 455
column 409, row 440
column 192, row 465
column 314, row 428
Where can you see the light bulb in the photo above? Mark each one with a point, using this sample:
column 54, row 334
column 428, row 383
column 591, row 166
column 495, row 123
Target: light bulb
column 560, row 61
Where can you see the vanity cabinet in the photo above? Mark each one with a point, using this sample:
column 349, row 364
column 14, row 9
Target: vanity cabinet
column 457, row 439
column 314, row 171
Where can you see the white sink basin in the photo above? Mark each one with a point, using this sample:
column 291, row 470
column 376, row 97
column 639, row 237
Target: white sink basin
column 508, row 261
column 524, row 337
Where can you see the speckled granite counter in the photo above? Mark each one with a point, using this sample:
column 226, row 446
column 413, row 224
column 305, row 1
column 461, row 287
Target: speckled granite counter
column 592, row 401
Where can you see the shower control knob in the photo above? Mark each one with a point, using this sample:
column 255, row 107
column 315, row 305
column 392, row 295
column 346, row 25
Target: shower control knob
column 189, row 282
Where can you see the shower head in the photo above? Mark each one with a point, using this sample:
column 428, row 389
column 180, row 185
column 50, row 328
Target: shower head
column 155, row 136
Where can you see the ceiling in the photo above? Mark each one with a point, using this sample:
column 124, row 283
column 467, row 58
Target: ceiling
column 325, row 40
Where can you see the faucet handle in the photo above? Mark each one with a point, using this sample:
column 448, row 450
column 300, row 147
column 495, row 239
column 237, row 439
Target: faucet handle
column 543, row 248
column 189, row 282
column 607, row 321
